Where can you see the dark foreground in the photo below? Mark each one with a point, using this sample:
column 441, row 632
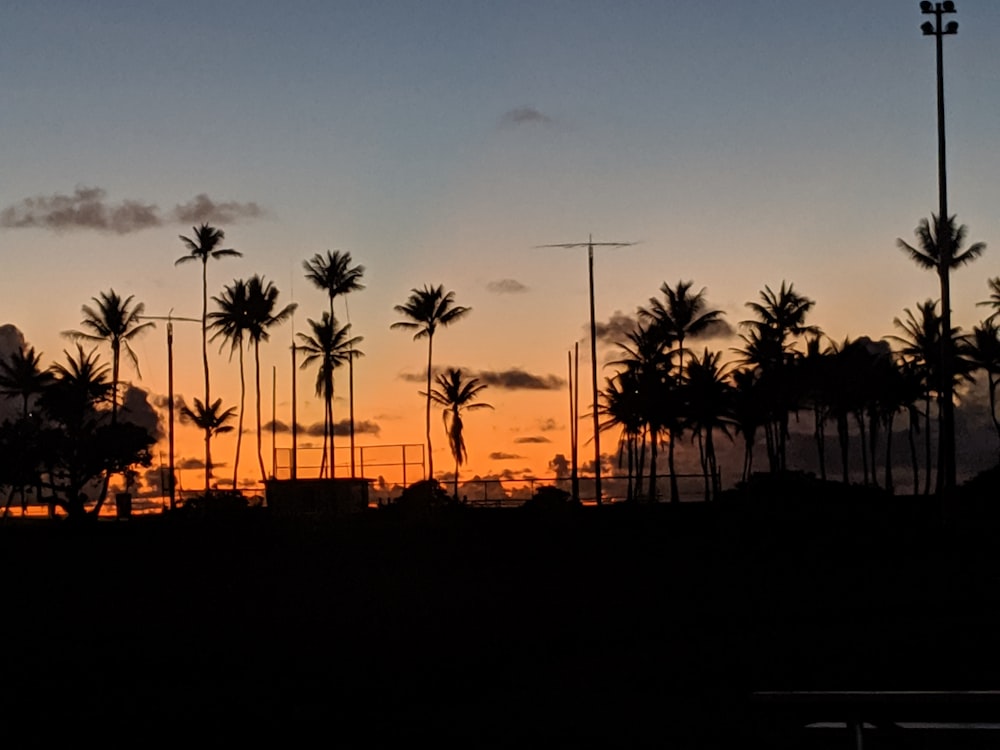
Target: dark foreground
column 618, row 626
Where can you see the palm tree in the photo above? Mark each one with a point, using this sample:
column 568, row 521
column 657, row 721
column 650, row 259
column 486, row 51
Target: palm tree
column 940, row 248
column 231, row 323
column 456, row 396
column 986, row 354
column 994, row 300
column 328, row 346
column 205, row 246
column 428, row 309
column 780, row 315
column 116, row 321
column 262, row 301
column 684, row 314
column 213, row 420
column 22, row 375
column 709, row 408
column 623, row 407
column 335, row 276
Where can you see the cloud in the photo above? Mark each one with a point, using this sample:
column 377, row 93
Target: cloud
column 203, row 210
column 547, row 425
column 499, row 456
column 87, row 208
column 617, row 328
column 560, row 465
column 524, row 115
column 506, row 286
column 363, row 427
column 137, row 409
column 533, row 439
column 190, row 463
column 517, row 379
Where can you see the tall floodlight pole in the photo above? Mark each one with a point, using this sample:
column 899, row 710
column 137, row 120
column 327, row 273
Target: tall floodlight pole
column 939, row 30
column 169, row 317
column 590, row 245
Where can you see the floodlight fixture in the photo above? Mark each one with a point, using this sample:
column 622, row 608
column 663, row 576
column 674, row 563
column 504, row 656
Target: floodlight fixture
column 951, row 28
column 928, row 28
column 926, row 7
column 948, row 7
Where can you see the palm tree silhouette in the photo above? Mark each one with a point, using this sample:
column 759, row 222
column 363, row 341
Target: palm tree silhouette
column 116, row 321
column 940, row 249
column 428, row 309
column 213, row 420
column 330, row 347
column 681, row 315
column 335, row 276
column 22, row 375
column 622, row 404
column 986, row 355
column 708, row 405
column 994, row 300
column 205, row 246
column 456, row 396
column 231, row 323
column 262, row 301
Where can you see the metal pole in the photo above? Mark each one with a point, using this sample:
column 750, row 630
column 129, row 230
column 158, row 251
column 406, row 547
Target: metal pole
column 170, row 412
column 295, row 424
column 593, row 375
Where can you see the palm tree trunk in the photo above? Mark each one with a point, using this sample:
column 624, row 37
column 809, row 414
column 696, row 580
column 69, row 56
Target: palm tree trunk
column 913, row 449
column 329, row 418
column 239, row 429
column 260, row 455
column 204, row 334
column 654, row 434
column 843, row 438
column 927, row 443
column 430, row 453
column 675, row 496
column 889, row 486
column 208, row 459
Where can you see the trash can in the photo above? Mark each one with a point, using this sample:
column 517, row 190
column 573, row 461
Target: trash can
column 123, row 504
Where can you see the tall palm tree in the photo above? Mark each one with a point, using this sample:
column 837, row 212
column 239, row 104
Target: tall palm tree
column 22, row 375
column 262, row 304
column 428, row 309
column 681, row 315
column 231, row 323
column 986, row 355
column 334, row 275
column 205, row 245
column 117, row 321
column 456, row 395
column 939, row 248
column 709, row 409
column 621, row 404
column 329, row 346
column 213, row 420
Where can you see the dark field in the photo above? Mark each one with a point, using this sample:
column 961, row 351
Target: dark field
column 616, row 626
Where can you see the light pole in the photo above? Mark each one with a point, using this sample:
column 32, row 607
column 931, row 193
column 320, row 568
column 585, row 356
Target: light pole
column 590, row 245
column 170, row 318
column 938, row 29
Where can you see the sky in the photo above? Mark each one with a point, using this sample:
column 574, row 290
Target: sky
column 738, row 144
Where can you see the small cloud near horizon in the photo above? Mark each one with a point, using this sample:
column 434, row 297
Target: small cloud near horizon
column 524, row 115
column 500, row 456
column 532, row 439
column 87, row 208
column 506, row 286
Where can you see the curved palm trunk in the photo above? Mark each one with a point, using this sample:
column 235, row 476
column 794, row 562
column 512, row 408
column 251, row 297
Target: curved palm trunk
column 430, row 454
column 329, row 419
column 239, row 429
column 260, row 455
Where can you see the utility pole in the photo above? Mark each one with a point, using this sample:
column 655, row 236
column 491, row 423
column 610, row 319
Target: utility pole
column 590, row 245
column 169, row 317
column 946, row 470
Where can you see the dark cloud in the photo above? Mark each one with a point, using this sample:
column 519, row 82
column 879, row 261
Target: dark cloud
column 560, row 465
column 89, row 208
column 517, row 379
column 616, row 329
column 506, row 286
column 547, row 425
column 315, row 429
column 416, row 377
column 364, row 427
column 499, row 456
column 202, row 209
column 137, row 409
column 524, row 116
column 86, row 208
column 533, row 439
column 190, row 463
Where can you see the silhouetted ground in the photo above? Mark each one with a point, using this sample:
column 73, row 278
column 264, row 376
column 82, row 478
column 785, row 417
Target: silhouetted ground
column 618, row 626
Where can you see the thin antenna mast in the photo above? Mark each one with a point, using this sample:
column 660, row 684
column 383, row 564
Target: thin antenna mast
column 590, row 245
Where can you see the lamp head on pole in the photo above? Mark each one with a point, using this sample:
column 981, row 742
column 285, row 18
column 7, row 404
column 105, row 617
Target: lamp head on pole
column 951, row 28
column 926, row 7
column 948, row 7
column 928, row 28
